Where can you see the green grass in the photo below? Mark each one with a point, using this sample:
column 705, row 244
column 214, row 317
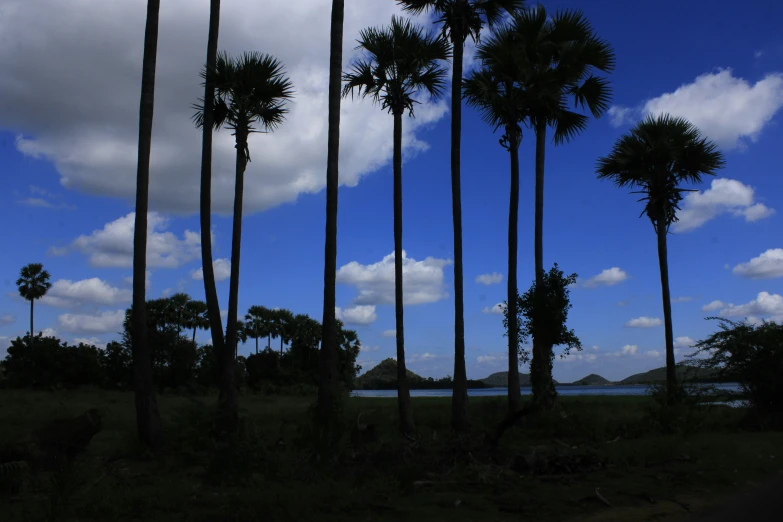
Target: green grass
column 272, row 471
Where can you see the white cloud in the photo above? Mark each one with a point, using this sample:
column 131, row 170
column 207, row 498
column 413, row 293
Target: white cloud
column 683, row 342
column 629, row 349
column 579, row 357
column 112, row 246
column 766, row 266
column 389, row 333
column 366, row 348
column 7, row 319
column 653, row 354
column 643, row 322
column 498, row 309
column 493, row 359
column 683, row 299
column 608, row 277
column 723, row 196
column 490, row 279
column 358, row 315
column 426, row 356
column 49, row 332
column 65, row 293
column 82, row 54
column 221, row 267
column 728, row 109
column 765, row 305
column 93, row 341
column 101, row 323
column 714, row 305
column 423, row 281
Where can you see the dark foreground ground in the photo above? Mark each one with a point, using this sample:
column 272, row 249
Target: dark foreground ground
column 594, row 459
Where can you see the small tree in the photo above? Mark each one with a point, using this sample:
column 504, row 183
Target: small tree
column 33, row 283
column 545, row 318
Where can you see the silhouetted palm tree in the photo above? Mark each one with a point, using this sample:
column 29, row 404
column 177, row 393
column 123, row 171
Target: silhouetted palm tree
column 327, row 382
column 496, row 92
column 249, row 90
column 33, row 283
column 460, row 19
column 147, row 415
column 657, row 157
column 399, row 61
column 257, row 323
column 196, row 314
column 561, row 54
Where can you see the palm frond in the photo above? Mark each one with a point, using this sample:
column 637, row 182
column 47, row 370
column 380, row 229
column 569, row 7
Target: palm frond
column 568, row 125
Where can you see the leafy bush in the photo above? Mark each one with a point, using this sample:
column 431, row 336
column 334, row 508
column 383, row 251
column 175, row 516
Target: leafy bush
column 48, row 362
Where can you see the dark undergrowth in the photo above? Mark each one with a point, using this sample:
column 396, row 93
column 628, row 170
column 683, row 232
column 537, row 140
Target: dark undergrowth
column 627, row 458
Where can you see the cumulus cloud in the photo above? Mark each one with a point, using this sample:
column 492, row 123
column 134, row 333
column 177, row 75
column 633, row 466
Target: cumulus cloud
column 498, row 309
column 66, row 294
column 608, row 277
column 492, row 359
column 765, row 305
column 389, row 333
column 59, row 53
column 653, row 354
column 490, row 279
column 423, row 281
column 221, row 267
column 7, row 319
column 92, row 341
column 358, row 315
column 101, row 323
column 683, row 342
column 725, row 196
column 629, row 349
column 644, row 322
column 728, row 109
column 714, row 305
column 766, row 266
column 112, row 246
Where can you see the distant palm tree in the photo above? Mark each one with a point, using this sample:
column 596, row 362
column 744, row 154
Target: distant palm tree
column 196, row 314
column 496, row 92
column 461, row 19
column 657, row 157
column 561, row 54
column 177, row 311
column 147, row 415
column 256, row 323
column 400, row 61
column 283, row 325
column 249, row 90
column 327, row 381
column 33, row 283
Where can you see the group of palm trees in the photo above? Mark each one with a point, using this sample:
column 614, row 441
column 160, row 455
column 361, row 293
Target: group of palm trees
column 538, row 70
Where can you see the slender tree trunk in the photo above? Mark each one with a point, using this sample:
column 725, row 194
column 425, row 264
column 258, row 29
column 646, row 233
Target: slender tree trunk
column 32, row 330
column 228, row 390
column 147, row 416
column 514, row 397
column 541, row 365
column 269, row 342
column 403, row 392
column 459, row 396
column 256, row 344
column 327, row 361
column 205, row 208
column 194, row 334
column 663, row 262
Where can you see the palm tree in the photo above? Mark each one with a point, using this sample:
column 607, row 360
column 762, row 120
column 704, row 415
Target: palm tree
column 400, row 61
column 496, row 92
column 256, row 323
column 177, row 311
column 327, row 382
column 147, row 415
column 196, row 313
column 657, row 157
column 283, row 324
column 562, row 53
column 33, row 283
column 205, row 205
column 460, row 19
column 249, row 90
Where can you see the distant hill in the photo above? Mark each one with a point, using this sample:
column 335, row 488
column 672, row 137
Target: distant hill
column 592, row 380
column 384, row 377
column 500, row 380
column 684, row 372
column 384, row 372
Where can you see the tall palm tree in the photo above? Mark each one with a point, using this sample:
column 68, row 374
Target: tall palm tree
column 249, row 90
column 33, row 283
column 400, row 61
column 562, row 54
column 283, row 321
column 147, row 415
column 496, row 92
column 256, row 323
column 177, row 311
column 327, row 382
column 205, row 203
column 657, row 157
column 460, row 19
column 196, row 313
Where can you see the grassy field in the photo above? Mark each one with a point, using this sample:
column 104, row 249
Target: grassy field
column 595, row 458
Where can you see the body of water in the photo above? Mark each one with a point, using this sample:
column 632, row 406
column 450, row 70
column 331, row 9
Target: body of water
column 617, row 389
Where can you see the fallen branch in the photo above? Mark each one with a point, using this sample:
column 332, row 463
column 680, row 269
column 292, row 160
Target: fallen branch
column 601, row 498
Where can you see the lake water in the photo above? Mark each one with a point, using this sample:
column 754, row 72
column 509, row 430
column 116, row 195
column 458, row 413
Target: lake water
column 618, row 389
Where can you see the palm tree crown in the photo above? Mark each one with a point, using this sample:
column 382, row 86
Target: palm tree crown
column 33, row 282
column 657, row 156
column 400, row 61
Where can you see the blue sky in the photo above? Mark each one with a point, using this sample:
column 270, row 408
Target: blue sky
column 68, row 124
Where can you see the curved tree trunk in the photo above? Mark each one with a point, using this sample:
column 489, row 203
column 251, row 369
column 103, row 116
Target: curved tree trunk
column 147, row 416
column 205, row 207
column 403, row 392
column 541, row 365
column 459, row 396
column 514, row 397
column 663, row 262
column 228, row 401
